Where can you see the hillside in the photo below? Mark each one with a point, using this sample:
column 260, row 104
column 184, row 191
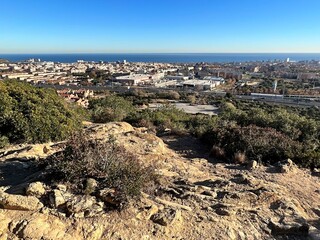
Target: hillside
column 198, row 198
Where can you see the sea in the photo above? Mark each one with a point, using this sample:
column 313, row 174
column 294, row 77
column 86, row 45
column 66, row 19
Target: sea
column 165, row 57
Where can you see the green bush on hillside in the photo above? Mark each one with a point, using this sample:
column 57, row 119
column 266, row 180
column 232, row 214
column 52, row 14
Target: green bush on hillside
column 263, row 144
column 265, row 132
column 33, row 115
column 293, row 125
column 165, row 117
column 110, row 108
column 4, row 141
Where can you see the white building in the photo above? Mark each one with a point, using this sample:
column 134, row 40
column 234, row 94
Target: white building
column 200, row 85
column 171, row 77
column 217, row 80
column 133, row 79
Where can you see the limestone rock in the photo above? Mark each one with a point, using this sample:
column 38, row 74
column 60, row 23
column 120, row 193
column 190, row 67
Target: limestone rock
column 224, row 210
column 231, row 233
column 288, row 162
column 252, row 165
column 84, row 206
column 4, row 236
column 58, row 198
column 245, row 179
column 42, row 228
column 61, row 187
column 80, row 203
column 19, row 202
column 96, row 232
column 201, row 189
column 167, row 217
column 16, row 227
column 147, row 212
column 91, row 185
column 4, row 223
column 109, row 195
column 286, row 166
column 36, row 189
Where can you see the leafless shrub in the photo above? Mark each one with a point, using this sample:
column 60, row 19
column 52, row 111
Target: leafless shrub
column 108, row 163
column 239, row 157
column 217, row 152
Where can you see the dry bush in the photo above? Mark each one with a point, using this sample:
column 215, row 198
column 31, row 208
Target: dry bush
column 109, row 164
column 217, row 152
column 145, row 123
column 239, row 158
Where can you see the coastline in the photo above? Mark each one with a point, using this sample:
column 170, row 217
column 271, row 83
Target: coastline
column 164, row 57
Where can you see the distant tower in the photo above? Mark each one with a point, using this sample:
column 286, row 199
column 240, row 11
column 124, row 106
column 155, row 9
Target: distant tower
column 288, row 60
column 275, row 84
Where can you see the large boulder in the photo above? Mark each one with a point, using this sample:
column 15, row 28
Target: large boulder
column 36, row 189
column 19, row 202
column 58, row 198
column 84, row 206
column 41, row 227
column 252, row 165
column 286, row 166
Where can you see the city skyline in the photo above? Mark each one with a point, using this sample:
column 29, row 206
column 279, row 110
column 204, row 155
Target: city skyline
column 160, row 26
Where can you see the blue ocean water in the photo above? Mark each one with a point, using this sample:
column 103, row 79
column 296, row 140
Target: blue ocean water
column 166, row 57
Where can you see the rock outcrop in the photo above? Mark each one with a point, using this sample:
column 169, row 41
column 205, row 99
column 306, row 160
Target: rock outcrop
column 18, row 202
column 198, row 198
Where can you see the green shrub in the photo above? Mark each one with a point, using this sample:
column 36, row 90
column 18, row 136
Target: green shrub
column 111, row 165
column 30, row 114
column 4, row 141
column 191, row 99
column 265, row 144
column 171, row 95
column 111, row 108
column 200, row 124
column 310, row 158
column 165, row 117
column 292, row 124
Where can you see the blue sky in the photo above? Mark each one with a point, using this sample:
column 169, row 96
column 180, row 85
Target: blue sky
column 139, row 26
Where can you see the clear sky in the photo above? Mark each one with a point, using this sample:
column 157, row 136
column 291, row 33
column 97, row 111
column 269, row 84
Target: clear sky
column 139, row 26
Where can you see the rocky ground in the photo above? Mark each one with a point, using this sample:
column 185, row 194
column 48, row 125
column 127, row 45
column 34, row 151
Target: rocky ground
column 198, row 199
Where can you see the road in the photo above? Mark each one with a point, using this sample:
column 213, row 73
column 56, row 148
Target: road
column 188, row 108
column 287, row 102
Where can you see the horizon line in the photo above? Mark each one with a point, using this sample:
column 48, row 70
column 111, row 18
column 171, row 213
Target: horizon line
column 162, row 53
